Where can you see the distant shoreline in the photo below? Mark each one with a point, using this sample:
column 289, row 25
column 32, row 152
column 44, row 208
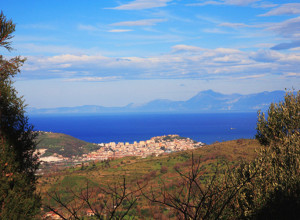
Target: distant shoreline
column 154, row 146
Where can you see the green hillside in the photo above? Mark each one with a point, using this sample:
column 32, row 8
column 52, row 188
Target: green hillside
column 63, row 144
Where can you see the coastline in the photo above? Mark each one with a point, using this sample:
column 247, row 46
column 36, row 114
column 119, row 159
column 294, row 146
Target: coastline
column 206, row 128
column 154, row 146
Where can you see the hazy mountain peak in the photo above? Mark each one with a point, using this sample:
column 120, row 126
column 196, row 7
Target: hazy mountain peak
column 208, row 92
column 204, row 101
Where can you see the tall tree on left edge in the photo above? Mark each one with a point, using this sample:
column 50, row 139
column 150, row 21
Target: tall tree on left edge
column 18, row 163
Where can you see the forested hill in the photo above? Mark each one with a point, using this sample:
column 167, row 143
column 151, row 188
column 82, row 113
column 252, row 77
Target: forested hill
column 204, row 102
column 62, row 144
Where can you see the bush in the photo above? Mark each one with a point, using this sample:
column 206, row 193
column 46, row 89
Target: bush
column 274, row 193
column 164, row 169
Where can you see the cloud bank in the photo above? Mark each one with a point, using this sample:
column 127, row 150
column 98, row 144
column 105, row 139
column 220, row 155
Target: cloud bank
column 183, row 61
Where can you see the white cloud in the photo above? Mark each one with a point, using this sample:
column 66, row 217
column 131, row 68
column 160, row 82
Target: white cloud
column 142, row 4
column 119, row 30
column 240, row 2
column 265, row 5
column 227, row 59
column 263, row 45
column 87, row 27
column 290, row 8
column 73, row 58
column 214, row 31
column 234, row 25
column 227, row 51
column 205, row 3
column 289, row 28
column 266, row 56
column 94, row 28
column 33, row 48
column 291, row 58
column 144, row 22
column 293, row 74
column 92, row 79
column 65, row 65
column 290, row 75
column 295, row 49
column 252, row 76
column 225, row 2
column 186, row 48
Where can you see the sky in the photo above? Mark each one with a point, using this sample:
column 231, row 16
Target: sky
column 116, row 52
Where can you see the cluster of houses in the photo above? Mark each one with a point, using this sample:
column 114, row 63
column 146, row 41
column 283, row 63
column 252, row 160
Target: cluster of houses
column 154, row 146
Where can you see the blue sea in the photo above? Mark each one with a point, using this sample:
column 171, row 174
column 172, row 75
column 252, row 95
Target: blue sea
column 206, row 128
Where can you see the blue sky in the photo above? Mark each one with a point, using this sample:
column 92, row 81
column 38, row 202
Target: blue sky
column 116, row 52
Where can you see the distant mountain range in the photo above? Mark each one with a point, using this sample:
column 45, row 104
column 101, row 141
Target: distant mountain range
column 204, row 102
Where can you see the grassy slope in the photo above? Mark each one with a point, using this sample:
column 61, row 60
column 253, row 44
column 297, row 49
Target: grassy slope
column 63, row 144
column 149, row 169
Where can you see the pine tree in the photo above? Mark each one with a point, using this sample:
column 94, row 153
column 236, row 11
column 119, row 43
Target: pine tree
column 18, row 163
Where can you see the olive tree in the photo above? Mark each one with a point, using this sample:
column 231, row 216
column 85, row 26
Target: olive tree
column 274, row 193
column 18, row 163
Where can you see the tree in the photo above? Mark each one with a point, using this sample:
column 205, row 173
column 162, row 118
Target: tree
column 274, row 193
column 283, row 121
column 280, row 136
column 114, row 201
column 195, row 197
column 18, row 198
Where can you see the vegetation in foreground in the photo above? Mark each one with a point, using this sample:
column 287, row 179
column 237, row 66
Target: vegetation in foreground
column 18, row 199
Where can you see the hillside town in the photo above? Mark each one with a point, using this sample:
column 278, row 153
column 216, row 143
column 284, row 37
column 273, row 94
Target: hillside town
column 154, row 147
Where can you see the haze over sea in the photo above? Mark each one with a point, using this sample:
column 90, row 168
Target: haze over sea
column 206, row 128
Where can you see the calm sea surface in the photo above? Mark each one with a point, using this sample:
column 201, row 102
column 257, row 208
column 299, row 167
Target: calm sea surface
column 206, row 128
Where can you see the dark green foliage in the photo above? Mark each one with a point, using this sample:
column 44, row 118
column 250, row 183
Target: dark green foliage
column 283, row 121
column 281, row 204
column 18, row 163
column 164, row 169
column 171, row 138
column 274, row 191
